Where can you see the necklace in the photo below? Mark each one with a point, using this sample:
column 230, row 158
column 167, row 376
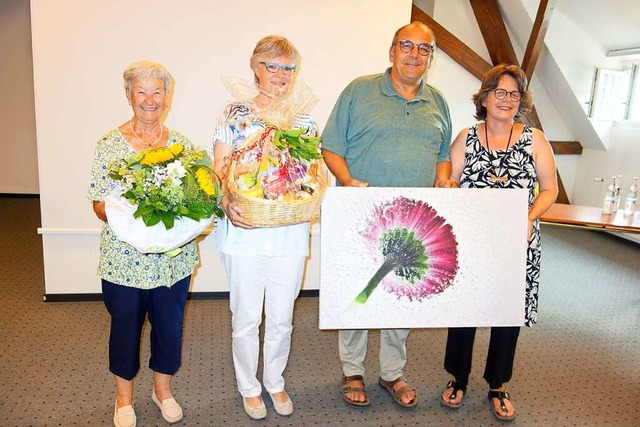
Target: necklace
column 492, row 177
column 141, row 140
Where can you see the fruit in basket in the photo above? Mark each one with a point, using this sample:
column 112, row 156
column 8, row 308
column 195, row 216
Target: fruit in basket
column 248, row 183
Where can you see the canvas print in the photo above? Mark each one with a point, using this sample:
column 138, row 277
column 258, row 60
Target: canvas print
column 422, row 257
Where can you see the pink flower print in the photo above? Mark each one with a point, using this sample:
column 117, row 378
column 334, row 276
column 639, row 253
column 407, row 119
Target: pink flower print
column 414, row 243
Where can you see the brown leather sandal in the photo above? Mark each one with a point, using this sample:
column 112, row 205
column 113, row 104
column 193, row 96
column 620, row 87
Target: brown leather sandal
column 346, row 389
column 397, row 394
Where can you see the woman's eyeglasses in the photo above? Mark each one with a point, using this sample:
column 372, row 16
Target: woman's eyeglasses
column 424, row 49
column 272, row 67
column 502, row 94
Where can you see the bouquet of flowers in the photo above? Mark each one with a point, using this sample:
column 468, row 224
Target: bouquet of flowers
column 275, row 173
column 166, row 197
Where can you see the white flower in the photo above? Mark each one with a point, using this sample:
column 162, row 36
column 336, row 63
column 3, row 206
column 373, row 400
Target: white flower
column 160, row 176
column 175, row 172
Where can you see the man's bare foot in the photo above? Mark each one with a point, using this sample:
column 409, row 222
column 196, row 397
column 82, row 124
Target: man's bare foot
column 353, row 391
column 409, row 396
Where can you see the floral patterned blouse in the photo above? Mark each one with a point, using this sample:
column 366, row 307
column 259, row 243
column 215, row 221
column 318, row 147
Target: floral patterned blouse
column 121, row 263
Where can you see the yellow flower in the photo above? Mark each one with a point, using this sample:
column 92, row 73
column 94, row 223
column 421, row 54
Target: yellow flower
column 158, row 155
column 176, row 149
column 205, row 182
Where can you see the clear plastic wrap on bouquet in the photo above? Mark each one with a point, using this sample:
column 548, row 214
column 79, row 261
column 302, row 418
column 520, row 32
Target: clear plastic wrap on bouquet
column 154, row 239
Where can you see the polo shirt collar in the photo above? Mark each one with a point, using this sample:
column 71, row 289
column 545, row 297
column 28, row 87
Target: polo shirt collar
column 389, row 90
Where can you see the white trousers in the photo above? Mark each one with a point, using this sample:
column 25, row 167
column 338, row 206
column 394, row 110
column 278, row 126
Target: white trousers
column 352, row 345
column 257, row 282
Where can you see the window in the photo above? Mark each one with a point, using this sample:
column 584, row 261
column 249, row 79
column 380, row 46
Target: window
column 615, row 94
column 609, row 94
column 633, row 107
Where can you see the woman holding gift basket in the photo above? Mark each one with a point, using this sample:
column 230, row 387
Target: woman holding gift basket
column 266, row 150
column 156, row 166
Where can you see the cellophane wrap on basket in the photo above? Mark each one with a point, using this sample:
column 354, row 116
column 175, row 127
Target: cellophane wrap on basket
column 282, row 109
column 153, row 239
column 274, row 175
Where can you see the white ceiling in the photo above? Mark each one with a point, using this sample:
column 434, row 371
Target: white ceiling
column 616, row 23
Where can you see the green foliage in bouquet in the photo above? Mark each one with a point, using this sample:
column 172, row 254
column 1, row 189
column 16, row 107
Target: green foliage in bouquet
column 168, row 183
column 301, row 147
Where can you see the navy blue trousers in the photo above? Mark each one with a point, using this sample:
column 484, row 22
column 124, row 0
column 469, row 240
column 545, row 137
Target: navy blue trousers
column 499, row 365
column 128, row 308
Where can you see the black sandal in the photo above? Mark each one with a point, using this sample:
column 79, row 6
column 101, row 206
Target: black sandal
column 501, row 395
column 454, row 394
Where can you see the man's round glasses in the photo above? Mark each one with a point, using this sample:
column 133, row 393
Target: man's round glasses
column 424, row 49
column 502, row 94
column 272, row 67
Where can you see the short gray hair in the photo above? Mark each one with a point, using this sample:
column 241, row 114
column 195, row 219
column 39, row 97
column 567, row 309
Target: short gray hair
column 272, row 46
column 147, row 70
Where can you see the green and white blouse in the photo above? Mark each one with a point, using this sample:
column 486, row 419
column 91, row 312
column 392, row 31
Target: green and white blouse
column 121, row 263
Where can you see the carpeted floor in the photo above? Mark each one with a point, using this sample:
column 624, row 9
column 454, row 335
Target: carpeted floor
column 580, row 366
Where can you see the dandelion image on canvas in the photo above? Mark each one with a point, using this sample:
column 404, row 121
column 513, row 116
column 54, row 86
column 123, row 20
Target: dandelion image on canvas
column 415, row 248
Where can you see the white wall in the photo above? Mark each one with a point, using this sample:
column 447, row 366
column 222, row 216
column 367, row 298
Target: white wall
column 80, row 49
column 18, row 162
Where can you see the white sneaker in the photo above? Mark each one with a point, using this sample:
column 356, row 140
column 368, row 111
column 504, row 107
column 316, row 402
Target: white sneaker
column 171, row 410
column 124, row 417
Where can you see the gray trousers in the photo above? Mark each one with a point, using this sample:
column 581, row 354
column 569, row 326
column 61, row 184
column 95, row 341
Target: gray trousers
column 393, row 352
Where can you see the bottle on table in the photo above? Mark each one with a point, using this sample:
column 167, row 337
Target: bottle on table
column 632, row 198
column 609, row 204
column 617, row 184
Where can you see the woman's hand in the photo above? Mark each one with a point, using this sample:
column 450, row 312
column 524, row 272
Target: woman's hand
column 352, row 182
column 98, row 208
column 234, row 213
column 529, row 230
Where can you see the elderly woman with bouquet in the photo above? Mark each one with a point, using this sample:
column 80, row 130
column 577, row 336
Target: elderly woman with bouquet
column 152, row 166
column 264, row 265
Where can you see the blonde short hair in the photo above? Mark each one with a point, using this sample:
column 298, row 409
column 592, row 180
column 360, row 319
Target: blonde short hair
column 272, row 46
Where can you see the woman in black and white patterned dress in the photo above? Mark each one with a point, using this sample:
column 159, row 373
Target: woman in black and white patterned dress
column 500, row 153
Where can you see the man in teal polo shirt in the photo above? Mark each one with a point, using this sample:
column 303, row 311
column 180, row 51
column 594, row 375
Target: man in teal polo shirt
column 389, row 130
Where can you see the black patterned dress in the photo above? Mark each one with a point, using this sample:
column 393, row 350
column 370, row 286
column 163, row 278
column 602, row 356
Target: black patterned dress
column 511, row 168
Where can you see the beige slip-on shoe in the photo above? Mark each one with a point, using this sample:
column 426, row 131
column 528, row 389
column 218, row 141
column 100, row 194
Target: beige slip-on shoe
column 171, row 411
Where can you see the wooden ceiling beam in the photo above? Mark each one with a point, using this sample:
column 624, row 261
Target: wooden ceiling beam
column 452, row 46
column 536, row 40
column 566, row 147
column 494, row 32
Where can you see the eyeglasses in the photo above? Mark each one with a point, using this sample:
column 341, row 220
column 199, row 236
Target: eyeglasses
column 424, row 49
column 502, row 94
column 272, row 67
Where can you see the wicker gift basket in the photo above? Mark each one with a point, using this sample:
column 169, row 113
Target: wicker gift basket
column 273, row 213
column 269, row 179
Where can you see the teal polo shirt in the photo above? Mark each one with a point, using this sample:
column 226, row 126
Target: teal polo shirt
column 386, row 140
